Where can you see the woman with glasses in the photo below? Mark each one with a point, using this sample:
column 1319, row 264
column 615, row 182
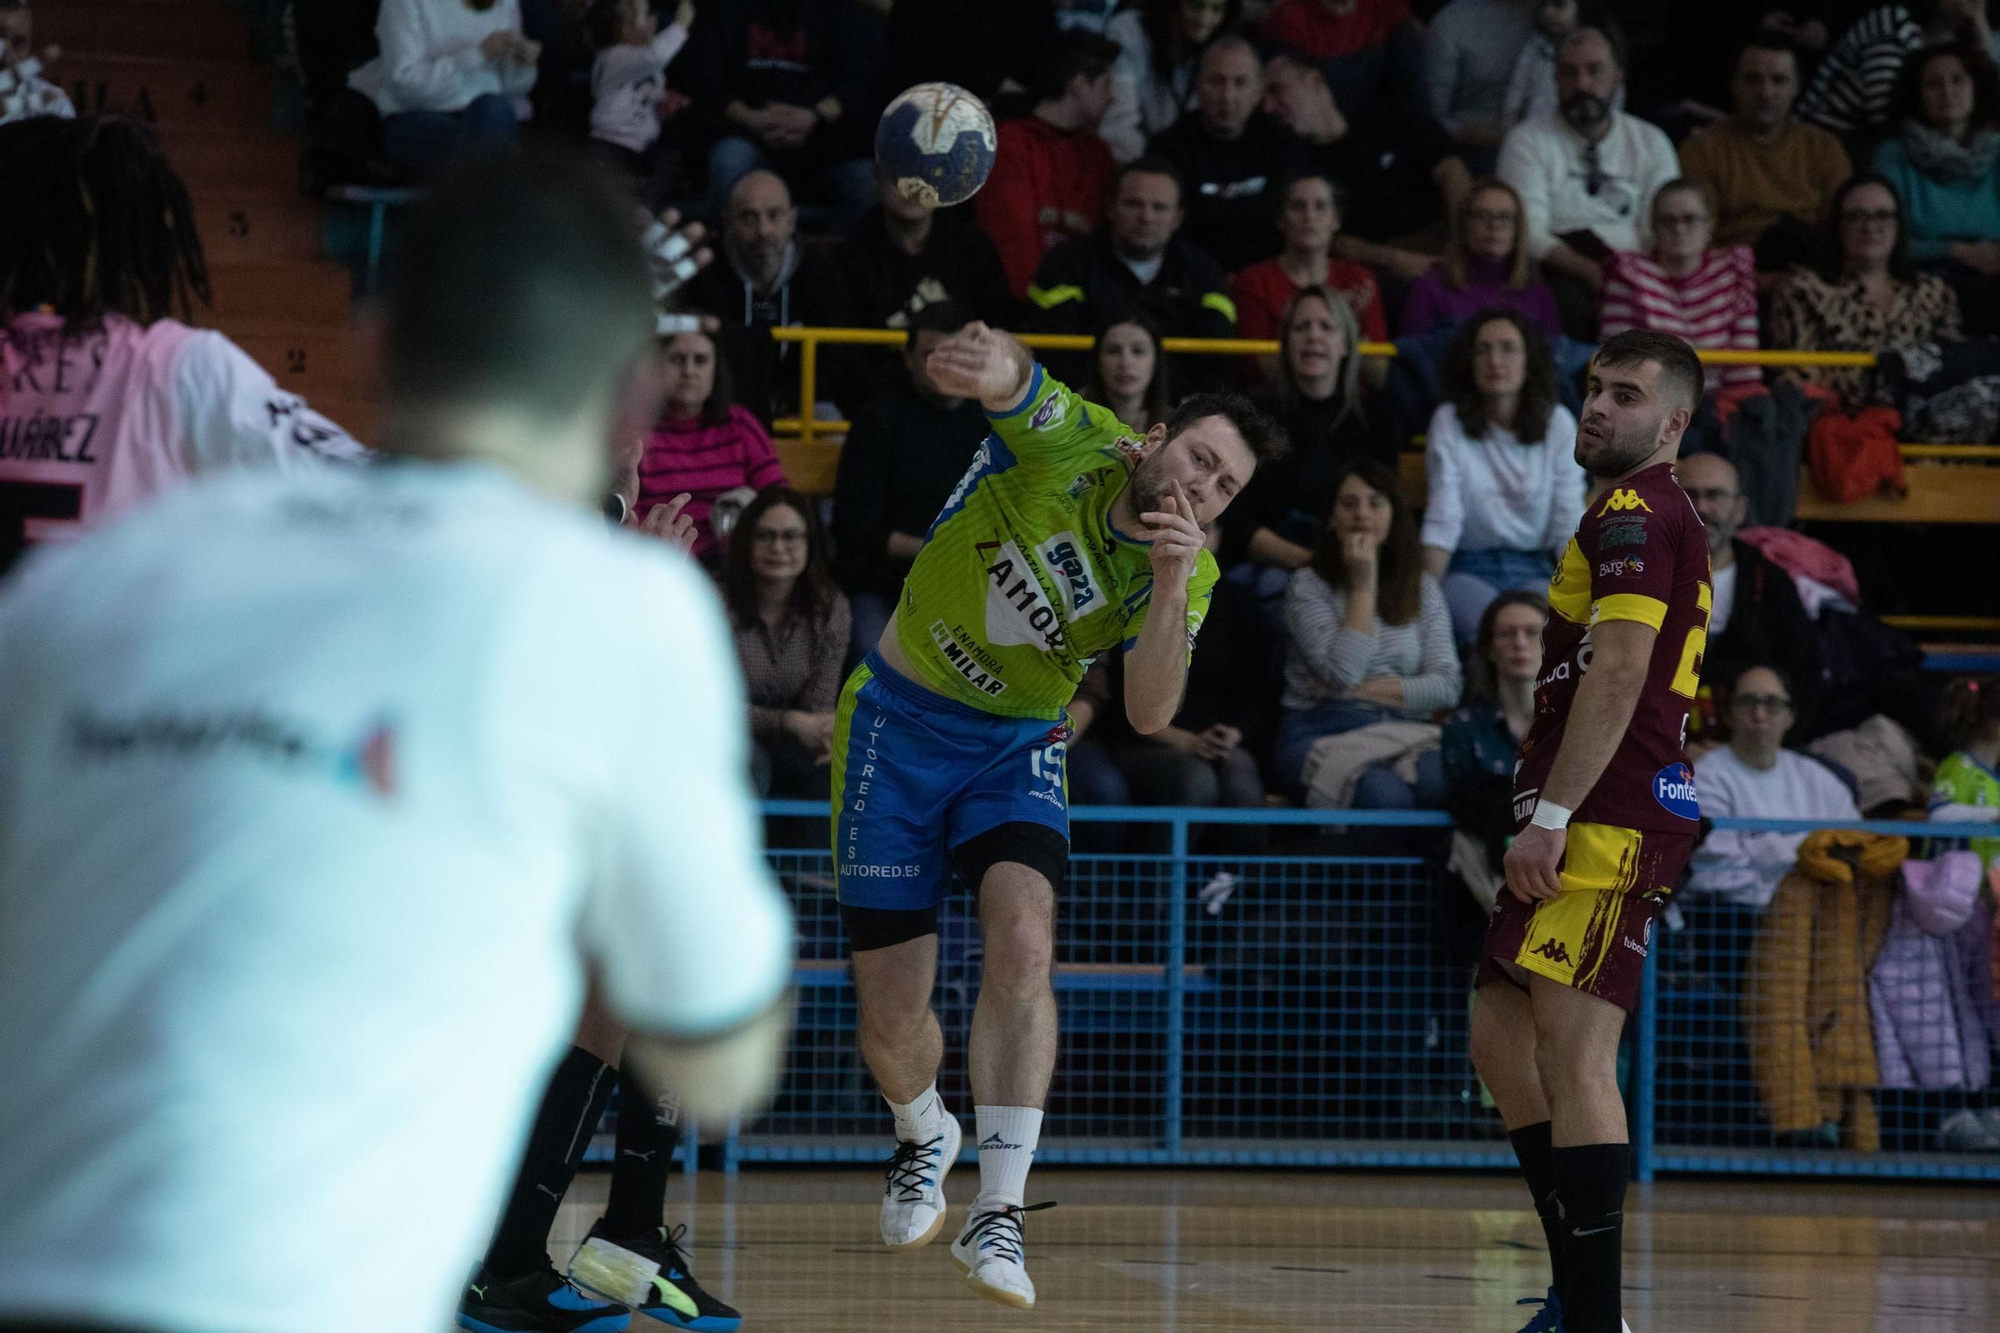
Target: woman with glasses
column 1706, row 297
column 703, row 444
column 1485, row 264
column 1864, row 295
column 1945, row 165
column 791, row 628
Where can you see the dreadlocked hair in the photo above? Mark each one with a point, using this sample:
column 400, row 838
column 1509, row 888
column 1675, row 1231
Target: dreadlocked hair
column 98, row 223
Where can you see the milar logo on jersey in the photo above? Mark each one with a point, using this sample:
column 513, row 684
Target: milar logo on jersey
column 1017, row 610
column 965, row 659
column 1673, row 788
column 1050, row 410
column 1622, row 499
column 1062, row 556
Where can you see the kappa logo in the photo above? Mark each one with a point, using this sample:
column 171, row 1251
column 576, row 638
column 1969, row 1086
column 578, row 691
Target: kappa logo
column 1555, row 951
column 1622, row 499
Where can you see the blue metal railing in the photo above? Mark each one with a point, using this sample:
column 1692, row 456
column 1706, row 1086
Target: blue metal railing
column 1313, row 1020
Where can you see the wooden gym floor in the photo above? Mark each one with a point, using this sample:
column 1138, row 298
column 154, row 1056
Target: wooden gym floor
column 1183, row 1251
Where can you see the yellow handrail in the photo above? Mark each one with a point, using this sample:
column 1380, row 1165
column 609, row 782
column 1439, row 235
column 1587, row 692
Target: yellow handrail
column 1958, row 623
column 810, row 338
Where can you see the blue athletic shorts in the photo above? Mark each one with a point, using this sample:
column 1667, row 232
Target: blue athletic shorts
column 916, row 775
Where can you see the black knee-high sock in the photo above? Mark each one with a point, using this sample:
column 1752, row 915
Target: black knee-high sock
column 570, row 1110
column 1590, row 1181
column 648, row 1129
column 1533, row 1148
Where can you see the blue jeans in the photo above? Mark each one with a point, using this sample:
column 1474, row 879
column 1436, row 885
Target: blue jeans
column 1475, row 578
column 1300, row 727
column 1380, row 788
column 733, row 157
column 425, row 143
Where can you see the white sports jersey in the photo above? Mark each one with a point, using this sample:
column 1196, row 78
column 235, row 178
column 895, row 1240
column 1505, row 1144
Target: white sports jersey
column 92, row 425
column 317, row 794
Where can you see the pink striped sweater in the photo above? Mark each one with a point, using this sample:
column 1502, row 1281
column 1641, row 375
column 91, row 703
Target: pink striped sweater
column 705, row 461
column 1714, row 306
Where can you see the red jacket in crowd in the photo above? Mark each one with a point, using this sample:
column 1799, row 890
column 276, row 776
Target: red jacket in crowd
column 1047, row 186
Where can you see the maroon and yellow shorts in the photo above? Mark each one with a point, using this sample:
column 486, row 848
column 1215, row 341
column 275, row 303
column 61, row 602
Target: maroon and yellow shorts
column 1595, row 934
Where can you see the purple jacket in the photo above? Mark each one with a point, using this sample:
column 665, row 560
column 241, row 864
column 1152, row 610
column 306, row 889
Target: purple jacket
column 1432, row 302
column 1931, row 996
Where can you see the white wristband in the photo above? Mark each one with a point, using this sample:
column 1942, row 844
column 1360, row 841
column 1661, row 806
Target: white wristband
column 1550, row 815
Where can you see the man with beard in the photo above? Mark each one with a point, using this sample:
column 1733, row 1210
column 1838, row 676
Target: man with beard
column 1586, row 174
column 1065, row 539
column 1606, row 816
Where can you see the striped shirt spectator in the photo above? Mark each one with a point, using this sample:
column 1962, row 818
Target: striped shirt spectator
column 703, row 444
column 1853, row 85
column 1708, row 297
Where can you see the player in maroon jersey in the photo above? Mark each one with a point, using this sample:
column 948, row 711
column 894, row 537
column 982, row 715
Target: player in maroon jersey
column 1606, row 818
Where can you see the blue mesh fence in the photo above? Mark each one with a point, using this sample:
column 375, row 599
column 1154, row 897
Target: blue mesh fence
column 1309, row 1006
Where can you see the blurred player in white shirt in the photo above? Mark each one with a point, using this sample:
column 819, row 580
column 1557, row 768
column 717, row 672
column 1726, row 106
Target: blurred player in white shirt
column 322, row 791
column 107, row 396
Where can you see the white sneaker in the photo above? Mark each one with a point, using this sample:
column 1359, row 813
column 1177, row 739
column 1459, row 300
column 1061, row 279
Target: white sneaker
column 913, row 1203
column 990, row 1251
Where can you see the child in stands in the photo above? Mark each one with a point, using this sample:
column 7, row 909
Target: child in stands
column 628, row 89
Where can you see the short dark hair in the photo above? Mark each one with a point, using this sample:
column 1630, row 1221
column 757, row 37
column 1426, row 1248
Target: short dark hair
column 1538, row 388
column 1151, row 164
column 939, row 317
column 523, row 283
column 1604, row 26
column 1908, row 103
column 1680, row 368
column 1765, row 40
column 1265, row 437
column 723, row 346
column 1076, row 54
column 1742, row 669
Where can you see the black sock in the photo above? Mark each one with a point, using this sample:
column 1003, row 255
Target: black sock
column 648, row 1129
column 1532, row 1147
column 1590, row 1181
column 569, row 1113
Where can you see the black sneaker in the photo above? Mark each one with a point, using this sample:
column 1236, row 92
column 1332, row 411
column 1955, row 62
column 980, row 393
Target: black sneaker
column 537, row 1302
column 649, row 1272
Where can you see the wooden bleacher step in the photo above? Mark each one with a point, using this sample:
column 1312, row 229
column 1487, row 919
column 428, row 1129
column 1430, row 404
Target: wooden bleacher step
column 316, row 293
column 256, row 227
column 225, row 95
column 320, row 364
column 165, row 31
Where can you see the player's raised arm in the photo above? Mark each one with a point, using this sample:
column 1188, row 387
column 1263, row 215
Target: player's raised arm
column 1156, row 664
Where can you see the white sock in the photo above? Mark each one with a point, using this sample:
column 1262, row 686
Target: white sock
column 921, row 1118
column 1007, row 1138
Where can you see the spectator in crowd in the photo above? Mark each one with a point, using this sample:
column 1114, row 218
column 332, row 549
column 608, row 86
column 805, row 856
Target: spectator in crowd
column 776, row 79
column 1051, row 173
column 1864, row 294
column 1317, row 398
column 791, row 629
column 1505, row 488
column 1140, row 263
column 902, row 258
column 1371, row 52
column 1399, row 175
column 1706, row 298
column 451, row 78
column 1755, row 777
column 1586, row 176
column 1153, row 79
column 1755, row 614
column 1854, row 88
column 905, row 451
column 1129, row 373
column 1476, row 755
column 27, row 92
column 703, row 444
column 1087, row 765
column 767, row 278
column 1207, row 755
column 1470, row 52
column 1088, row 15
column 628, row 92
column 1308, row 224
column 1770, row 174
column 1945, row 167
column 1485, row 264
column 1369, row 640
column 1232, row 157
column 1966, row 789
column 1531, row 84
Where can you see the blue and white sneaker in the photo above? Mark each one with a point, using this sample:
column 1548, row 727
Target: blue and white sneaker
column 913, row 1203
column 649, row 1272
column 537, row 1302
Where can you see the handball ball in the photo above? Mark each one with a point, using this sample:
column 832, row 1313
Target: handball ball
column 936, row 142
